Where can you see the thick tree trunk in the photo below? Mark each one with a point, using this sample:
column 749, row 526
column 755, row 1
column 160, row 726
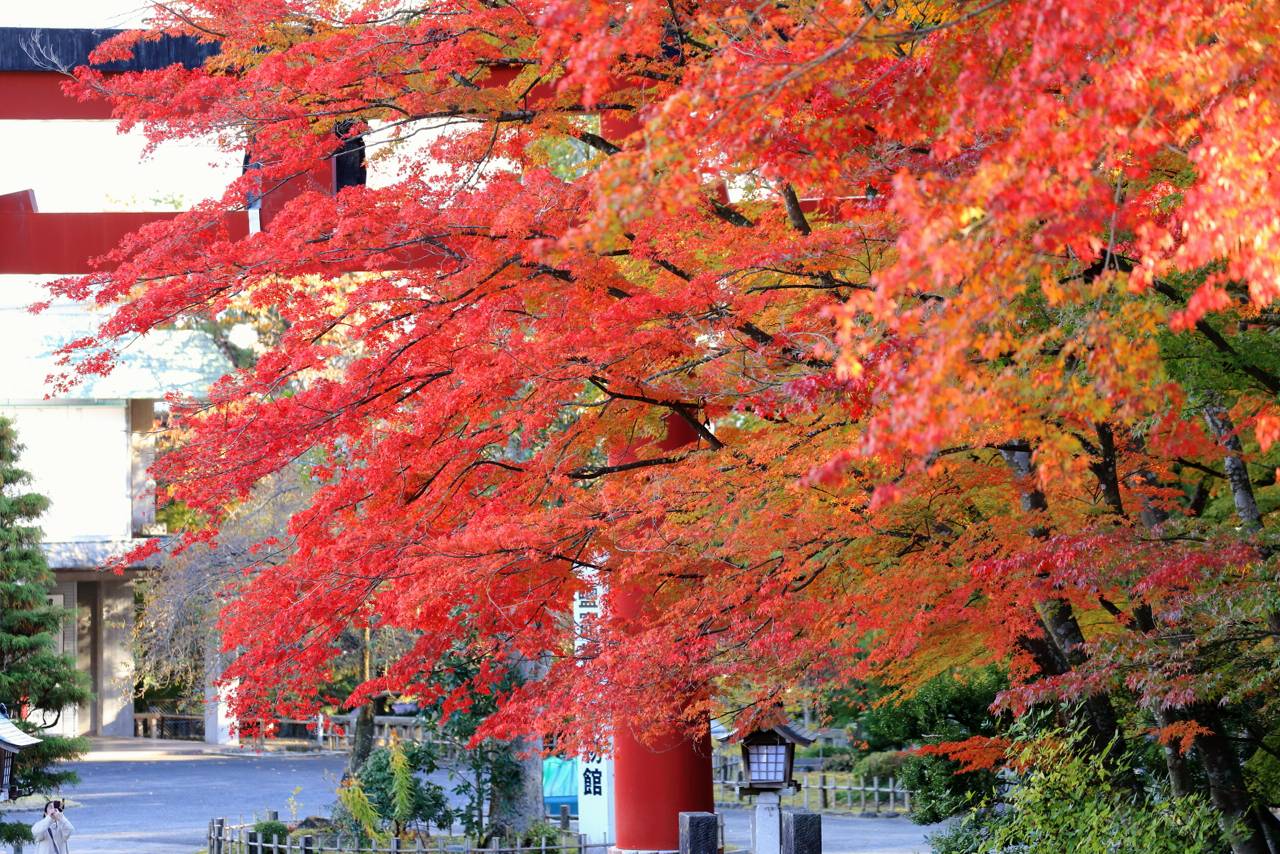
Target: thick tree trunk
column 514, row 808
column 1104, row 468
column 1061, row 627
column 361, row 739
column 1230, row 774
column 1240, row 819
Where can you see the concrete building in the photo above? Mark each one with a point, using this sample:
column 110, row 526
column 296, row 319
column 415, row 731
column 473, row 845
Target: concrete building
column 89, row 451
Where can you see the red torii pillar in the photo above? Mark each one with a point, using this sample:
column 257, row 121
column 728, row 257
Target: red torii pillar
column 655, row 782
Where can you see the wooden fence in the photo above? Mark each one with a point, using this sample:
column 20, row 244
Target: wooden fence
column 226, row 838
column 830, row 791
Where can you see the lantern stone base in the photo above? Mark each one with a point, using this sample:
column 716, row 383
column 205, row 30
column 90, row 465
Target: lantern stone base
column 766, row 824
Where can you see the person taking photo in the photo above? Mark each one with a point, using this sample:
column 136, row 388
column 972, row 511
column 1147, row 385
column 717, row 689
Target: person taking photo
column 52, row 832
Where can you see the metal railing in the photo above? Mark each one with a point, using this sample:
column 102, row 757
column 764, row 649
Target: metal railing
column 168, row 725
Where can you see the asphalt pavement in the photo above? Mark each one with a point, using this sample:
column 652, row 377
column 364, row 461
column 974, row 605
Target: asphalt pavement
column 141, row 796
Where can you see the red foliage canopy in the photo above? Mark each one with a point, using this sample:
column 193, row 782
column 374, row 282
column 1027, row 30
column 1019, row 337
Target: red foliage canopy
column 899, row 271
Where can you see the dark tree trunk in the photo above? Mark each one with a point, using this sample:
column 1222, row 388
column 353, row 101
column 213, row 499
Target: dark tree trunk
column 362, row 738
column 514, row 807
column 1237, row 472
column 1236, row 808
column 1104, row 468
column 1240, row 818
column 1226, row 772
column 1056, row 615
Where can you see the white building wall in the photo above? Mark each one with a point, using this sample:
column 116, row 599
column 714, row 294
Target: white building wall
column 79, row 457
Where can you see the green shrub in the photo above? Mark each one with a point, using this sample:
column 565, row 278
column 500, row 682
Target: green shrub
column 269, row 829
column 1263, row 774
column 392, row 782
column 1070, row 799
column 939, row 790
column 885, row 763
column 343, row 822
column 950, row 707
column 965, row 836
column 539, row 832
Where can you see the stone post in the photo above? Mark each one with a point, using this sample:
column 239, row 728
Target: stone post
column 699, row 833
column 801, row 833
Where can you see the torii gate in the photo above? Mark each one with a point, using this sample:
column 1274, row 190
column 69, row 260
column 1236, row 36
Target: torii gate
column 653, row 784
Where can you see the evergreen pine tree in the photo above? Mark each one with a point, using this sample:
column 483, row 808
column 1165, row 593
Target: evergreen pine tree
column 35, row 681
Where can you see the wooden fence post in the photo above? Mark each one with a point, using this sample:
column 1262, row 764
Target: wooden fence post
column 564, row 816
column 822, row 790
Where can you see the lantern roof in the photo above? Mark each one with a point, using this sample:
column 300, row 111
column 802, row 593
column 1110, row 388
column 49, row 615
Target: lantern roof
column 13, row 739
column 790, row 731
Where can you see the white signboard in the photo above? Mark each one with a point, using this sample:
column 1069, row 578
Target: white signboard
column 595, row 771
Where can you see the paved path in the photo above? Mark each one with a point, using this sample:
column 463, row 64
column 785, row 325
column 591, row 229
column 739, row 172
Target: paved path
column 144, row 797
column 148, row 797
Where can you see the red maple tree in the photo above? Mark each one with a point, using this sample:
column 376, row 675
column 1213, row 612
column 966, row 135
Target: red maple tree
column 859, row 340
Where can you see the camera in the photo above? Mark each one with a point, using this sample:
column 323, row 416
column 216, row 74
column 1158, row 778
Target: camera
column 57, row 805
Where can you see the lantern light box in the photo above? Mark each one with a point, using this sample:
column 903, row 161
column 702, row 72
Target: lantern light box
column 12, row 740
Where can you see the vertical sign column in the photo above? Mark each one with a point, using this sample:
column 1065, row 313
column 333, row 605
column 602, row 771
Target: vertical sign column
column 595, row 771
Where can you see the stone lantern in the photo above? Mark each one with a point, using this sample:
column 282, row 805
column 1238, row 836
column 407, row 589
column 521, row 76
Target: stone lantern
column 768, row 757
column 12, row 740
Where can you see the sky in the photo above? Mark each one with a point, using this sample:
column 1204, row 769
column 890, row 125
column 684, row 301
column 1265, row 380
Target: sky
column 70, row 13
